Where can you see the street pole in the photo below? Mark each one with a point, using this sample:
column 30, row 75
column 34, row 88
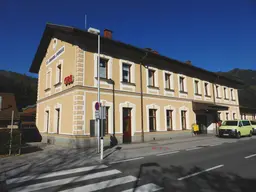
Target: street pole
column 101, row 140
column 98, row 74
column 10, row 149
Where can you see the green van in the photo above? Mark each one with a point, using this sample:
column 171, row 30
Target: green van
column 235, row 128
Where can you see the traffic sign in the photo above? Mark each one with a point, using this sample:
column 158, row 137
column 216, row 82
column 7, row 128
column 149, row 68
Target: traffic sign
column 97, row 114
column 97, row 106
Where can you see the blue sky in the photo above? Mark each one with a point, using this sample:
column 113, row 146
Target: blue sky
column 217, row 35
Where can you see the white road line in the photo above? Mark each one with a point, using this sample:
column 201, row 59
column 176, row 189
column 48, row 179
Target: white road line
column 148, row 187
column 167, row 153
column 60, row 182
column 200, row 172
column 133, row 159
column 54, row 174
column 213, row 145
column 193, row 148
column 250, row 156
column 103, row 184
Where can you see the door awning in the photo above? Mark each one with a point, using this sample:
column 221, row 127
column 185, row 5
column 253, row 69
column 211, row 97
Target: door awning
column 208, row 106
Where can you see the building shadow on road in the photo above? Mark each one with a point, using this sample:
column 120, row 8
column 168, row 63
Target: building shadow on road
column 213, row 181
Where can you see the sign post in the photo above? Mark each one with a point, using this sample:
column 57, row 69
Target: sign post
column 103, row 116
column 97, row 117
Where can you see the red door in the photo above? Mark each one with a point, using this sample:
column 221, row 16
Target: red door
column 127, row 136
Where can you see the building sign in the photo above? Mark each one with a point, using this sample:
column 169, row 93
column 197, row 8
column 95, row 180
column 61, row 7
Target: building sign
column 56, row 55
column 68, row 80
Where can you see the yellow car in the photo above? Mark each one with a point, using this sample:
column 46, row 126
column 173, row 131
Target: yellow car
column 235, row 128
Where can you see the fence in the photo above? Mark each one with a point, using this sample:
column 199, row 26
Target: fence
column 10, row 142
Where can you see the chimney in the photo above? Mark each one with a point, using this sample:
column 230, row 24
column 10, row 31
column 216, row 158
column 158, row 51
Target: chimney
column 188, row 62
column 155, row 52
column 108, row 33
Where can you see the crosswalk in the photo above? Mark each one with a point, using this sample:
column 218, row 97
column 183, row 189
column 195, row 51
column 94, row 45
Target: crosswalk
column 82, row 179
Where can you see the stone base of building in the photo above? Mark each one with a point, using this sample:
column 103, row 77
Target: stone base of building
column 90, row 142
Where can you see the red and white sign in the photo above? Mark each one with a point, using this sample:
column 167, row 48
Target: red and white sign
column 68, row 80
column 97, row 106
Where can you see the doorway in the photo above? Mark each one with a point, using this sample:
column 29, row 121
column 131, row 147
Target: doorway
column 127, row 136
column 202, row 123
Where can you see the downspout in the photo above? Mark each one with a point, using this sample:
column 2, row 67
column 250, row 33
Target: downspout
column 141, row 97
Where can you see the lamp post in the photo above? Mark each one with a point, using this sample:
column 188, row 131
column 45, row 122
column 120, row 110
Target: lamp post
column 97, row 32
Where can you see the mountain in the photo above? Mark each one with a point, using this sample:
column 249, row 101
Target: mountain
column 247, row 93
column 24, row 87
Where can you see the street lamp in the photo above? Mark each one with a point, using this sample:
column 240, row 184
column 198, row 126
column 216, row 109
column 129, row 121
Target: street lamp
column 97, row 32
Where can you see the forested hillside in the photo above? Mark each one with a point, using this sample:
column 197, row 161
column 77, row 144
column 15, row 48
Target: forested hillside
column 24, row 87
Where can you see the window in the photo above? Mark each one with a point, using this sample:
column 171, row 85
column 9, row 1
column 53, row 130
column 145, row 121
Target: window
column 103, row 68
column 240, row 124
column 48, row 80
column 126, row 73
column 47, row 121
column 230, row 123
column 206, row 89
column 169, row 120
column 234, row 116
column 253, row 122
column 152, row 120
column 183, row 120
column 151, row 77
column 1, row 103
column 227, row 116
column 167, row 81
column 219, row 114
column 59, row 73
column 196, row 87
column 232, row 94
column 217, row 91
column 225, row 92
column 106, row 121
column 182, row 86
column 57, row 120
column 246, row 123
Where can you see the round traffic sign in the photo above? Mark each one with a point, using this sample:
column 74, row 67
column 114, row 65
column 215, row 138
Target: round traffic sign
column 97, row 106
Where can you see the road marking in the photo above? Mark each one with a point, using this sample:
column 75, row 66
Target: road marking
column 167, row 153
column 213, row 145
column 133, row 159
column 54, row 174
column 250, row 156
column 60, row 182
column 193, row 148
column 148, row 187
column 103, row 184
column 200, row 172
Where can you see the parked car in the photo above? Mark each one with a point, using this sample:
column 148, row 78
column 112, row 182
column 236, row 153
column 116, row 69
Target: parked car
column 253, row 123
column 235, row 128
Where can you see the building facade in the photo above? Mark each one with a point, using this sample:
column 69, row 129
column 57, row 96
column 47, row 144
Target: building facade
column 144, row 93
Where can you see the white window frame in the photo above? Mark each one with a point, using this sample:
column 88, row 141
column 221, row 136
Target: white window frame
column 185, row 86
column 219, row 91
column 226, row 115
column 54, row 44
column 225, row 92
column 110, row 65
column 169, row 107
column 154, row 106
column 48, row 80
column 60, row 63
column 183, row 108
column 45, row 120
column 171, row 79
column 155, row 89
column 232, row 96
column 124, row 85
column 234, row 113
column 57, row 106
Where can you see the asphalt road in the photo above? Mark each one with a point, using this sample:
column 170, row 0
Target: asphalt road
column 228, row 167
